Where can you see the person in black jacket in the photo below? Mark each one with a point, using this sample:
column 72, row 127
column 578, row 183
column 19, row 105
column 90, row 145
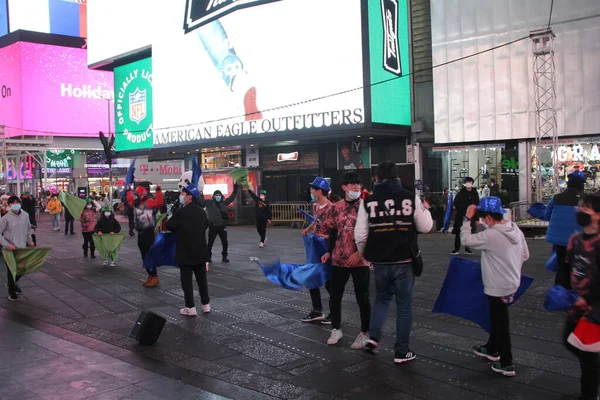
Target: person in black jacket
column 263, row 215
column 189, row 223
column 107, row 225
column 28, row 205
column 467, row 196
column 69, row 220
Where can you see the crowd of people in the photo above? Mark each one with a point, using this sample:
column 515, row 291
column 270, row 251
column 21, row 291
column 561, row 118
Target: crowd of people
column 368, row 236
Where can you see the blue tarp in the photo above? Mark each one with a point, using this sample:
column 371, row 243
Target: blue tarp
column 558, row 298
column 462, row 292
column 448, row 215
column 162, row 251
column 537, row 210
column 552, row 263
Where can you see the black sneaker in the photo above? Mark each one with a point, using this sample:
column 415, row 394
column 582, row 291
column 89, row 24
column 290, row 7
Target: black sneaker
column 225, row 260
column 469, row 252
column 372, row 346
column 327, row 320
column 483, row 352
column 73, row 233
column 400, row 358
column 454, row 253
column 509, row 370
column 13, row 297
column 131, row 233
column 18, row 289
column 314, row 316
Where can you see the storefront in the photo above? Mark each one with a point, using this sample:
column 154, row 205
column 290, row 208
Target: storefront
column 236, row 105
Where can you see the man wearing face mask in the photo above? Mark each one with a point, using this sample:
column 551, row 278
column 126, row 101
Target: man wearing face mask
column 561, row 214
column 216, row 209
column 189, row 224
column 466, row 196
column 15, row 232
column 503, row 252
column 582, row 257
column 263, row 215
column 319, row 190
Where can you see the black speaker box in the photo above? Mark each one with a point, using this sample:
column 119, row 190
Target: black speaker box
column 148, row 327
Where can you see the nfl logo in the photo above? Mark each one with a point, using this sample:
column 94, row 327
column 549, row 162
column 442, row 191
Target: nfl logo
column 137, row 105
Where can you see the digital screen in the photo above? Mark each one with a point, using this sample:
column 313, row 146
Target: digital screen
column 274, row 66
column 3, row 17
column 61, row 95
column 11, row 115
column 119, row 27
column 63, row 17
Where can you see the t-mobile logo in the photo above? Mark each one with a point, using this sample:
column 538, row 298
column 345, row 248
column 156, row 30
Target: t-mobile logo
column 85, row 92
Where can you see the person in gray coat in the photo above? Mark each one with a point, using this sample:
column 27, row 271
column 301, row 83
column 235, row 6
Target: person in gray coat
column 216, row 210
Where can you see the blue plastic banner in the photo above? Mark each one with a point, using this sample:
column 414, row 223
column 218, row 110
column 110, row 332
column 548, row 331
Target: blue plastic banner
column 558, row 298
column 448, row 215
column 162, row 251
column 537, row 210
column 462, row 292
column 306, row 215
column 552, row 263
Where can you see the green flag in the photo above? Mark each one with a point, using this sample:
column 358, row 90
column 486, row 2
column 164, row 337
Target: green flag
column 240, row 175
column 159, row 220
column 25, row 261
column 75, row 205
column 108, row 245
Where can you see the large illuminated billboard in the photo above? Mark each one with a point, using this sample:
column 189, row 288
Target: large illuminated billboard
column 51, row 90
column 3, row 17
column 274, row 66
column 63, row 17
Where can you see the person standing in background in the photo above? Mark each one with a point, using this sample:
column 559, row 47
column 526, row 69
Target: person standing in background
column 263, row 215
column 466, row 196
column 55, row 208
column 28, row 204
column 88, row 222
column 69, row 220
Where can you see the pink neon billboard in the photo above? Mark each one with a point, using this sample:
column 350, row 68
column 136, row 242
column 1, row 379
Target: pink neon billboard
column 10, row 87
column 56, row 92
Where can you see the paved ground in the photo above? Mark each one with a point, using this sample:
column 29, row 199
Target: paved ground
column 69, row 338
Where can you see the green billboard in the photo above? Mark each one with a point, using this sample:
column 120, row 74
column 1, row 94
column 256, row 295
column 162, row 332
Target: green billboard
column 59, row 158
column 389, row 62
column 133, row 106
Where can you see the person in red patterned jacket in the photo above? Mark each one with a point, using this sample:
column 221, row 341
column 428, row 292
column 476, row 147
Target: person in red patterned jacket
column 347, row 261
column 88, row 223
column 145, row 209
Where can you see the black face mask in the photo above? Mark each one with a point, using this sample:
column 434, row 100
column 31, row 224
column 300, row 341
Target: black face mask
column 583, row 218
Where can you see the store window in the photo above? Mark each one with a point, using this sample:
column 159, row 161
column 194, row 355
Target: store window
column 222, row 159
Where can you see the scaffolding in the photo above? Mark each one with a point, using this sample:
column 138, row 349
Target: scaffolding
column 546, row 132
column 16, row 145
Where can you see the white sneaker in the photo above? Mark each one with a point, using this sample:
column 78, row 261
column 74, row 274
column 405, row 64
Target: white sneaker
column 188, row 312
column 105, row 263
column 206, row 308
column 360, row 341
column 261, row 245
column 113, row 264
column 336, row 335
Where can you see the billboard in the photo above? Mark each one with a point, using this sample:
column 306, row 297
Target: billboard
column 11, row 115
column 62, row 17
column 59, row 93
column 389, row 60
column 3, row 17
column 133, row 105
column 254, row 68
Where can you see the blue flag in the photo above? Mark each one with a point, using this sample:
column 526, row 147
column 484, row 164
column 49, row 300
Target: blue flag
column 448, row 215
column 129, row 178
column 306, row 215
column 552, row 263
column 196, row 171
column 313, row 274
column 462, row 293
column 162, row 251
column 537, row 210
column 558, row 298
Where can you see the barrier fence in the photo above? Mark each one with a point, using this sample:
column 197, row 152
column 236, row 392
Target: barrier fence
column 288, row 213
column 520, row 216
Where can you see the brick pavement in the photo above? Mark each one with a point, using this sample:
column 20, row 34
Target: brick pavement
column 253, row 346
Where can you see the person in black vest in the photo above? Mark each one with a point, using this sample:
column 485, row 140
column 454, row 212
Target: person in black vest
column 386, row 228
column 189, row 223
column 465, row 197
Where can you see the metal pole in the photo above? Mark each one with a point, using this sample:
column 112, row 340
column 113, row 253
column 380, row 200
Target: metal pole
column 18, row 168
column 110, row 177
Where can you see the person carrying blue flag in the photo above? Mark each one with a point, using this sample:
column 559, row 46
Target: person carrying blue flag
column 319, row 192
column 561, row 214
column 503, row 252
column 582, row 257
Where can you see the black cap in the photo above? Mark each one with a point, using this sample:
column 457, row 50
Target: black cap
column 217, row 192
column 469, row 179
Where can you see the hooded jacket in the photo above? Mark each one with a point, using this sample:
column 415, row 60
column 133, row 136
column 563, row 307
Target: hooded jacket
column 15, row 229
column 503, row 252
column 107, row 225
column 217, row 210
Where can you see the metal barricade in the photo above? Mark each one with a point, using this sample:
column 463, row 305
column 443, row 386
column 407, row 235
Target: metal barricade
column 520, row 216
column 289, row 213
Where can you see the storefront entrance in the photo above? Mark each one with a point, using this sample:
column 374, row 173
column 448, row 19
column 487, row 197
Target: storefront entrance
column 287, row 186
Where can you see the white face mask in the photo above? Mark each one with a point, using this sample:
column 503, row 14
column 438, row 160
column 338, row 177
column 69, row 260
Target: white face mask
column 181, row 199
column 483, row 223
column 89, row 206
column 262, row 196
column 469, row 184
column 353, row 195
column 107, row 214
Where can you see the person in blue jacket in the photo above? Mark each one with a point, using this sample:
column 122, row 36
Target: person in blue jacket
column 563, row 224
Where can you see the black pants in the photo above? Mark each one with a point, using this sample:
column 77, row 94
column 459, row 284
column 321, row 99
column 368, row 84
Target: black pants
column 12, row 284
column 69, row 224
column 145, row 241
column 361, row 277
column 221, row 231
column 457, row 243
column 563, row 273
column 499, row 340
column 315, row 296
column 131, row 222
column 187, row 283
column 261, row 227
column 88, row 242
column 588, row 363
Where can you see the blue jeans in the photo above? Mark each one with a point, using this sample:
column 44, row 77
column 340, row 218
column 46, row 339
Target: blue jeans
column 221, row 52
column 55, row 220
column 390, row 280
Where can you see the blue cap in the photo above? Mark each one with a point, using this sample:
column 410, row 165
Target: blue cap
column 321, row 183
column 192, row 189
column 491, row 204
column 577, row 175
